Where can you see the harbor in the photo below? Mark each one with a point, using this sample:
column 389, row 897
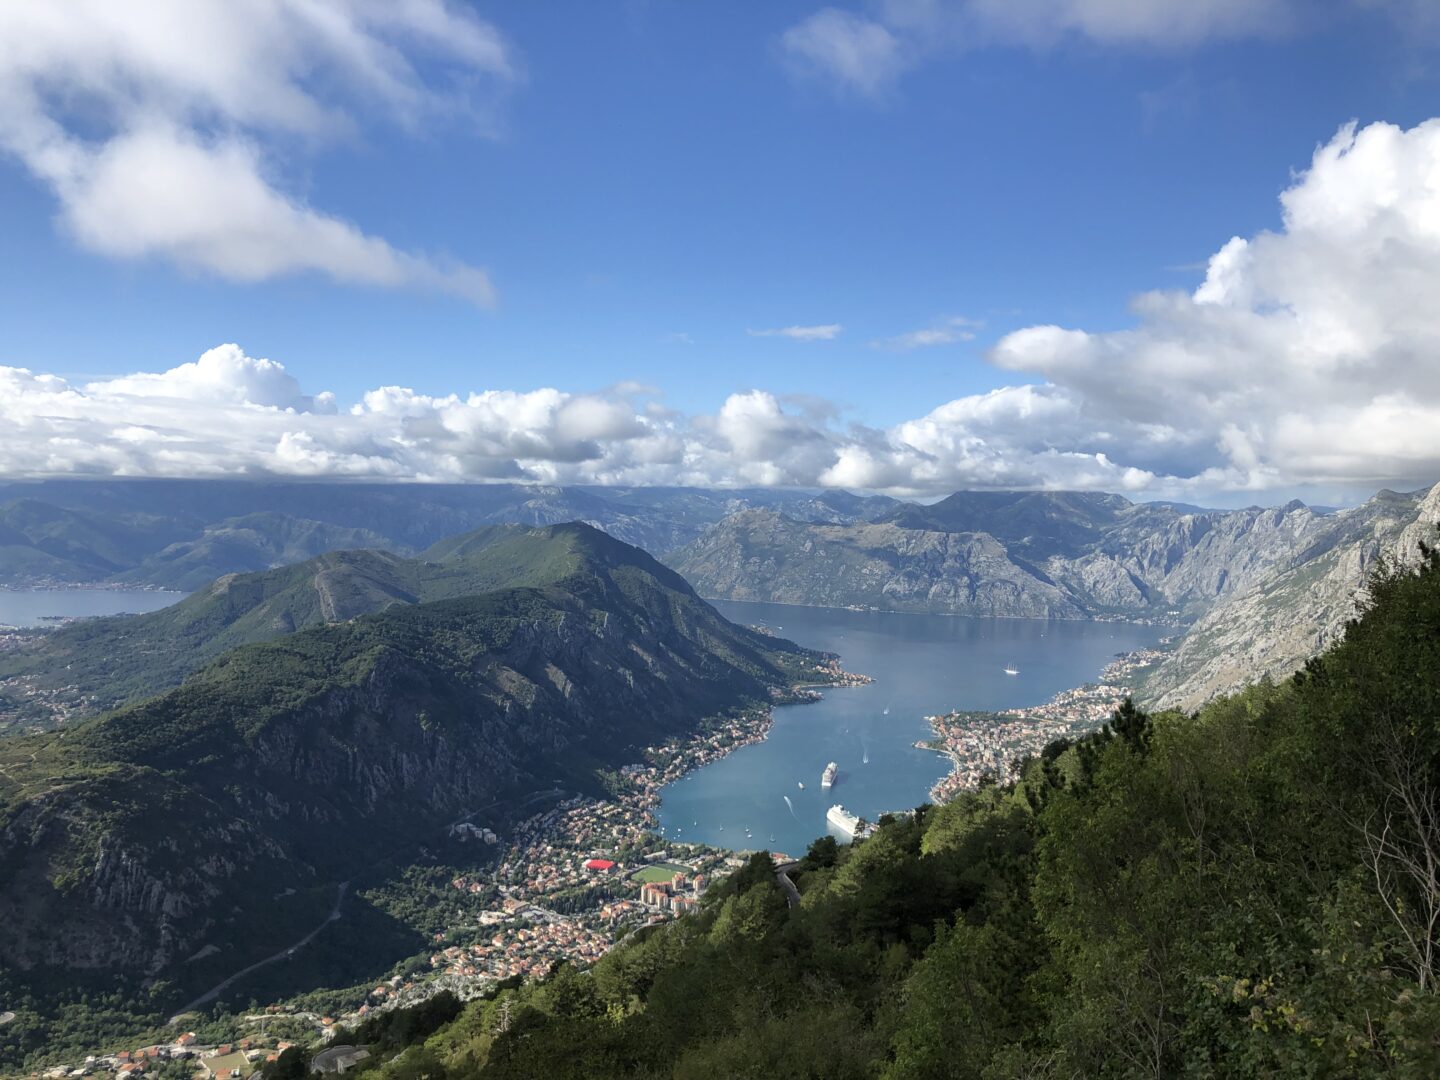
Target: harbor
column 921, row 666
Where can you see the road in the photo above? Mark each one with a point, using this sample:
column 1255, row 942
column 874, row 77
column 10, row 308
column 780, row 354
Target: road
column 782, row 878
column 215, row 991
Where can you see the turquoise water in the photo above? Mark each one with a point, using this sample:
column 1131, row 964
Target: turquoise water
column 922, row 665
column 29, row 607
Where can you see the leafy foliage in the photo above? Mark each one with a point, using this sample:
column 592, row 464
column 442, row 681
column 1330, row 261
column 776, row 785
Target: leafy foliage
column 1244, row 892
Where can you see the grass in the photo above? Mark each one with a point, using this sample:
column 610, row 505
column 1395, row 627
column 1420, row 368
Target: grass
column 658, row 872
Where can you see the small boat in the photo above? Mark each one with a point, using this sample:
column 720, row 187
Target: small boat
column 800, row 784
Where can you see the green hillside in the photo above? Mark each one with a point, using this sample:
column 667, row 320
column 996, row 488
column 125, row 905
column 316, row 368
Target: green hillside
column 102, row 663
column 132, row 841
column 1246, row 892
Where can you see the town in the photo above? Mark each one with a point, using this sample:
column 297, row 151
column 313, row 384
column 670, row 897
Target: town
column 565, row 885
column 984, row 745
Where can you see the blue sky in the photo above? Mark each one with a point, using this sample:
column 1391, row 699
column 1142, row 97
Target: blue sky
column 645, row 185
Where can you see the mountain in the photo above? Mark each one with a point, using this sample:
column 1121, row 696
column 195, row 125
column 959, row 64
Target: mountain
column 1041, row 554
column 129, row 842
column 180, row 534
column 764, row 555
column 1032, row 524
column 1270, row 629
column 1244, row 893
column 256, row 541
column 73, row 669
column 41, row 541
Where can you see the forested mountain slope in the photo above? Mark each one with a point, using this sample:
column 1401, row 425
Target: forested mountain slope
column 129, row 842
column 1238, row 893
column 97, row 664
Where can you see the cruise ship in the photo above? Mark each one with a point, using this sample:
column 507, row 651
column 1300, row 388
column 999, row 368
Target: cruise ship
column 828, row 776
column 843, row 820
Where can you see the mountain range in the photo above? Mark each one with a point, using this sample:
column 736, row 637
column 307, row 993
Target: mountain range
column 182, row 534
column 1267, row 587
column 73, row 669
column 1260, row 588
column 295, row 763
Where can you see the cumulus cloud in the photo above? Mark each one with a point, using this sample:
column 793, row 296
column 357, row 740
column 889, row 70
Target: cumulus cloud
column 229, row 414
column 156, row 125
column 1307, row 356
column 827, row 332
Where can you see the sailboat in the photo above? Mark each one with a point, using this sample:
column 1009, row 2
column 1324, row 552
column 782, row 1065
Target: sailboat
column 1011, row 669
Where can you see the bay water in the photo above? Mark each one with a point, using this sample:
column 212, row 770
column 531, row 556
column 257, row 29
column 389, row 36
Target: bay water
column 922, row 665
column 33, row 607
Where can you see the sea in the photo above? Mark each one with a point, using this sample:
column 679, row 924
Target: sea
column 922, row 665
column 36, row 607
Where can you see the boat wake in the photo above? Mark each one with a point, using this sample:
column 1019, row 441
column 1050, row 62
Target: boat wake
column 791, row 805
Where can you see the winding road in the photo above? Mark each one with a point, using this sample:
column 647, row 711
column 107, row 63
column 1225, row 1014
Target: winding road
column 216, row 990
column 782, row 878
column 340, row 890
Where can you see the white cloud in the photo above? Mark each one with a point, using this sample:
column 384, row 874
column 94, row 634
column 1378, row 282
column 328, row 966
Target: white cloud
column 827, row 332
column 856, row 52
column 157, row 125
column 945, row 332
column 1309, row 356
column 868, row 53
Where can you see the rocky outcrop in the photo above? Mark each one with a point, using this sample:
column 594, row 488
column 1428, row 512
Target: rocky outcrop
column 1296, row 610
column 763, row 555
column 1116, row 559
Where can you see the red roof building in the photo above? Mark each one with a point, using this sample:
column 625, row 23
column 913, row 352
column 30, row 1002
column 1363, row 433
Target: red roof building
column 600, row 864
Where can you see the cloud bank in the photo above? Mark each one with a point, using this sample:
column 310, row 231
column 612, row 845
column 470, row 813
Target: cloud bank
column 156, row 125
column 1309, row 355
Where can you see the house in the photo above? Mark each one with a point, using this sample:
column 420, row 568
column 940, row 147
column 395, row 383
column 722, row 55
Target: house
column 339, row 1058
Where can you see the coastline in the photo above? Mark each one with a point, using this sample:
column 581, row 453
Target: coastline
column 986, row 746
column 1136, row 620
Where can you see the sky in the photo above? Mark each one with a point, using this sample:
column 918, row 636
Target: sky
column 1179, row 249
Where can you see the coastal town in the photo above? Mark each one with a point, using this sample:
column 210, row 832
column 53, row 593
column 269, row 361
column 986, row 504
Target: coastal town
column 567, row 883
column 563, row 885
column 986, row 745
column 25, row 704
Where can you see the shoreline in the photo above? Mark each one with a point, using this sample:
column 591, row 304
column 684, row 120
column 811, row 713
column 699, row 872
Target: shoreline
column 985, row 745
column 1140, row 620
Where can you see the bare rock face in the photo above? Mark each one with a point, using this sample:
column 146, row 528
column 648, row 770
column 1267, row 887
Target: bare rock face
column 1267, row 588
column 763, row 555
column 1125, row 560
column 1298, row 609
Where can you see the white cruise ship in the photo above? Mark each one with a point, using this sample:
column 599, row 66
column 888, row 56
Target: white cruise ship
column 828, row 776
column 843, row 820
